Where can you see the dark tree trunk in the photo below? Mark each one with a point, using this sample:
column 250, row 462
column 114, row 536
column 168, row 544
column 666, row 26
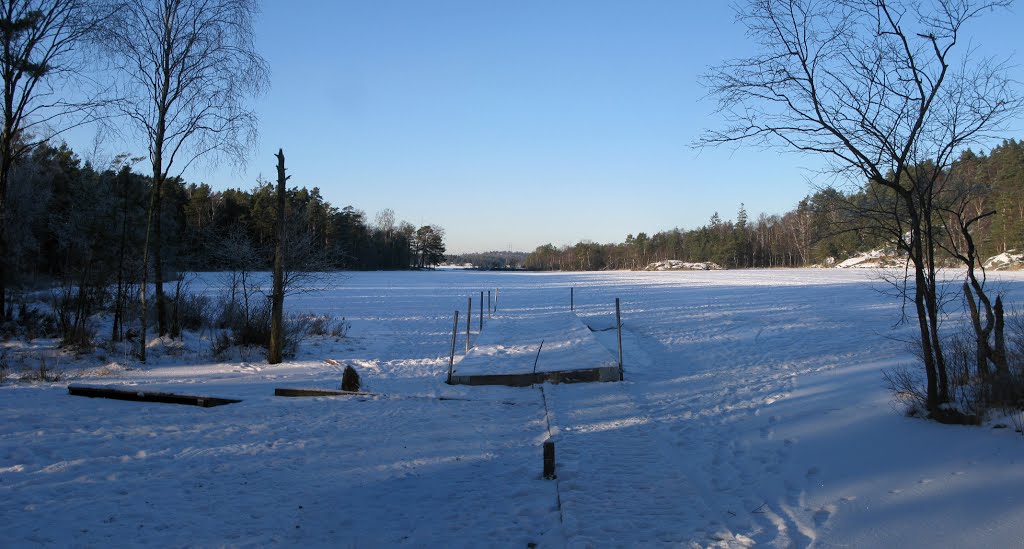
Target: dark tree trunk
column 274, row 353
column 144, row 279
column 158, row 264
column 5, row 264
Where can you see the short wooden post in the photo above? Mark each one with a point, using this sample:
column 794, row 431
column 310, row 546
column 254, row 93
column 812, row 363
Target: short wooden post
column 572, row 301
column 469, row 319
column 488, row 304
column 481, row 311
column 496, row 300
column 549, row 459
column 451, row 357
column 618, row 328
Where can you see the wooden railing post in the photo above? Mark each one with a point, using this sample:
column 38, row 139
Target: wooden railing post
column 618, row 327
column 549, row 459
column 451, row 357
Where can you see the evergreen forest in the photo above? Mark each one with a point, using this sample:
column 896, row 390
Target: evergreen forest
column 823, row 227
column 73, row 223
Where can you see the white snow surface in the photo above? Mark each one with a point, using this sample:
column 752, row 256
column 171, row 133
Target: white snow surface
column 557, row 341
column 753, row 413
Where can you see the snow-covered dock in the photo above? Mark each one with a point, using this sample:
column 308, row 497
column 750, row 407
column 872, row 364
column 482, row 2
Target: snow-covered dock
column 556, row 347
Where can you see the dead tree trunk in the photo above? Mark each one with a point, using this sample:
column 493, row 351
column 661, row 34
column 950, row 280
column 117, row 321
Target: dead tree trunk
column 274, row 353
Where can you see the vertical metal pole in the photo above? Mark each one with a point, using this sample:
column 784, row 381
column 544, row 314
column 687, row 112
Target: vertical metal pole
column 572, row 299
column 488, row 304
column 496, row 300
column 469, row 318
column 481, row 311
column 618, row 327
column 451, row 357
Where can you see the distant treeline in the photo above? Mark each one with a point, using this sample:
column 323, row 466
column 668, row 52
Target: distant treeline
column 72, row 221
column 821, row 226
column 491, row 261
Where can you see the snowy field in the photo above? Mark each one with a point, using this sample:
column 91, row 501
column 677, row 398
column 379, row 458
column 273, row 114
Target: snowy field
column 753, row 413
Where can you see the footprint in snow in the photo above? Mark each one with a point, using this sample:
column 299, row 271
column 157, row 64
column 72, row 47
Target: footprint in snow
column 821, row 516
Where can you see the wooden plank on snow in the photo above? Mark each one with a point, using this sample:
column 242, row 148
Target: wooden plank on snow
column 148, row 396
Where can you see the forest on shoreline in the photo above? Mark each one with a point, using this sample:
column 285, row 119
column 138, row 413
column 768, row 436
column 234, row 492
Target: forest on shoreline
column 825, row 224
column 77, row 222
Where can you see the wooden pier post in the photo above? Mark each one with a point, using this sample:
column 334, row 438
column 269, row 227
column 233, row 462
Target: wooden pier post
column 469, row 319
column 549, row 459
column 572, row 300
column 481, row 311
column 618, row 328
column 488, row 304
column 451, row 357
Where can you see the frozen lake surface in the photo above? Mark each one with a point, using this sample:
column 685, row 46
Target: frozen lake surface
column 753, row 412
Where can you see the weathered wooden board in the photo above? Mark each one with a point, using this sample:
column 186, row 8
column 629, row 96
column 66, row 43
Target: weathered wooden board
column 300, row 392
column 603, row 373
column 148, row 396
column 288, row 392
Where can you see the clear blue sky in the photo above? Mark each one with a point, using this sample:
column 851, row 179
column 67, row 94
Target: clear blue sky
column 516, row 123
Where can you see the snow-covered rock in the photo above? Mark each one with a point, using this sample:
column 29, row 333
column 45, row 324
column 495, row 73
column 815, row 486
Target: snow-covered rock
column 676, row 265
column 873, row 259
column 1005, row 261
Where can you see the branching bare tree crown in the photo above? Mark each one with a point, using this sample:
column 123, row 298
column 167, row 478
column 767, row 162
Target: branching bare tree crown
column 41, row 52
column 189, row 68
column 876, row 86
column 888, row 94
column 42, row 45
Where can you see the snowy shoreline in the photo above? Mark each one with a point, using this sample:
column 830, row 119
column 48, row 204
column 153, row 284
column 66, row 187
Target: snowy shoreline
column 753, row 412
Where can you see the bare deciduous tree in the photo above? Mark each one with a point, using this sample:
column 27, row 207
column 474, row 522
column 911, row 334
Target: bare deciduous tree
column 188, row 68
column 881, row 90
column 40, row 54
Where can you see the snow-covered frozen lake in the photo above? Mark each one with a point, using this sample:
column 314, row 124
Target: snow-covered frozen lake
column 753, row 413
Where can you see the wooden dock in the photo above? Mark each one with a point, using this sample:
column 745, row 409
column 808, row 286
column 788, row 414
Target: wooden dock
column 555, row 348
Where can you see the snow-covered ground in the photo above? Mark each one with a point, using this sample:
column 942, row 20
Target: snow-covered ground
column 753, row 412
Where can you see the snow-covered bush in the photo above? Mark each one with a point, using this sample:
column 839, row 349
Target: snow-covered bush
column 29, row 323
column 974, row 395
column 253, row 329
column 73, row 306
column 192, row 312
column 321, row 325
